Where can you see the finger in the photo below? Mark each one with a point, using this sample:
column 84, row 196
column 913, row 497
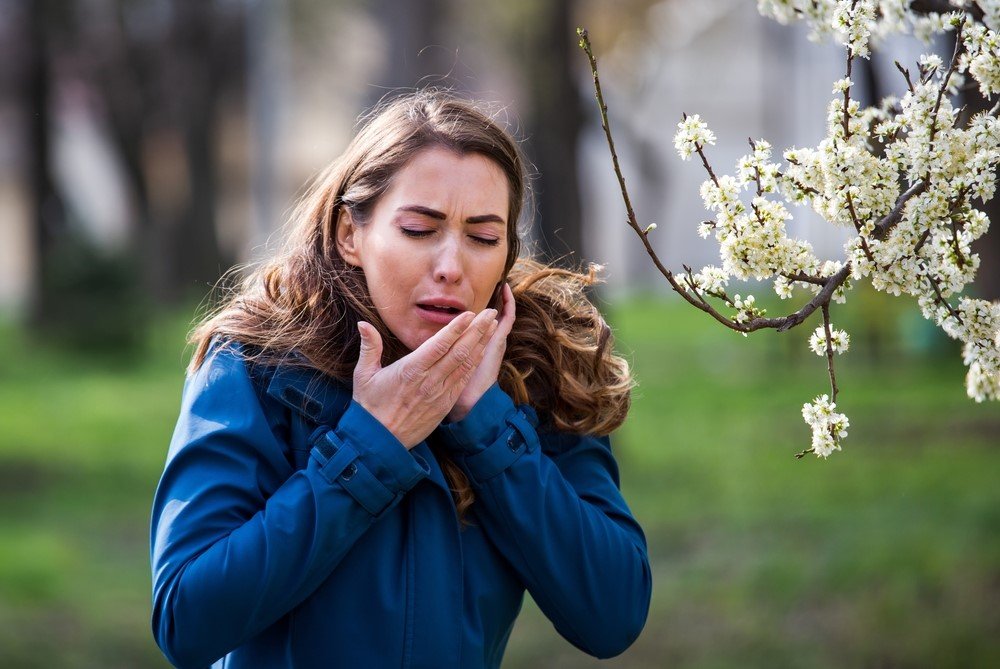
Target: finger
column 477, row 334
column 370, row 355
column 460, row 376
column 436, row 347
column 498, row 343
column 509, row 311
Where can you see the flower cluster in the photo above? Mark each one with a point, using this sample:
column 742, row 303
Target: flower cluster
column 855, row 21
column 902, row 176
column 839, row 341
column 693, row 135
column 980, row 58
column 976, row 323
column 828, row 426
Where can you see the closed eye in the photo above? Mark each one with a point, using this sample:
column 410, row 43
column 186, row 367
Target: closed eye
column 485, row 241
column 416, row 233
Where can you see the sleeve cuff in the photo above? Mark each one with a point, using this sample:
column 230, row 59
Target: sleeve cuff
column 379, row 449
column 367, row 459
column 482, row 425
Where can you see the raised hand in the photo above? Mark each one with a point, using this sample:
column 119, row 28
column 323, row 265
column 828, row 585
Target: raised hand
column 485, row 375
column 413, row 395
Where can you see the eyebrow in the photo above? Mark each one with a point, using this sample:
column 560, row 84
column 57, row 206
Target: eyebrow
column 440, row 215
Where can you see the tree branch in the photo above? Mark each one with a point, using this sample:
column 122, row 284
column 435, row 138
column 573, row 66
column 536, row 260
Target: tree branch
column 944, row 84
column 704, row 160
column 857, row 226
column 940, row 299
column 829, row 352
column 889, row 221
column 781, row 324
column 847, row 90
column 906, row 75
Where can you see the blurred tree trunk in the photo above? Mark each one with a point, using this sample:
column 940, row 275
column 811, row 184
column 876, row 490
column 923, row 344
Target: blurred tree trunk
column 555, row 118
column 415, row 33
column 48, row 210
column 161, row 87
column 125, row 74
column 193, row 88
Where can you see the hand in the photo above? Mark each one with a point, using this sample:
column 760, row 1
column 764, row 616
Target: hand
column 486, row 373
column 411, row 396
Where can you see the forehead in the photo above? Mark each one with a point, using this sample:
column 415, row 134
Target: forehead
column 440, row 178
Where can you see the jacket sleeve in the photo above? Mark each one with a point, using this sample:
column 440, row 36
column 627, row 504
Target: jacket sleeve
column 559, row 520
column 238, row 538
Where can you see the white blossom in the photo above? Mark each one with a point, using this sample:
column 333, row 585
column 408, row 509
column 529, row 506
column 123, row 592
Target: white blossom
column 842, row 85
column 782, row 288
column 828, row 426
column 711, row 279
column 855, row 178
column 839, row 341
column 692, row 134
column 854, row 20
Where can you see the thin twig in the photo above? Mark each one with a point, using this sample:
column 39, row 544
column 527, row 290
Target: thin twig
column 857, row 226
column 944, row 84
column 906, row 75
column 954, row 227
column 940, row 298
column 756, row 168
column 847, row 89
column 829, row 351
column 920, row 242
column 714, row 293
column 806, row 278
column 704, row 161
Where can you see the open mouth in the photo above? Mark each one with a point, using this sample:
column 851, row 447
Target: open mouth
column 443, row 310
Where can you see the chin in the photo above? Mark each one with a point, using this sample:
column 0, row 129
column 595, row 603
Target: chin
column 412, row 340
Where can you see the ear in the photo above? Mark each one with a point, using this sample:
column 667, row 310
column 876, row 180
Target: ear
column 348, row 238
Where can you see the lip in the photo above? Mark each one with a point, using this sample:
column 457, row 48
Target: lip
column 439, row 317
column 443, row 302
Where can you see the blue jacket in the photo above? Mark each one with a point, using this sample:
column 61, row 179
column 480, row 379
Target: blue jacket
column 291, row 529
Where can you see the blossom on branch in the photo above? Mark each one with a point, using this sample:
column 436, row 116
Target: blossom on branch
column 693, row 136
column 839, row 341
column 908, row 177
column 828, row 426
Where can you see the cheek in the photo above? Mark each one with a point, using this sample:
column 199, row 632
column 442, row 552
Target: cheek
column 491, row 276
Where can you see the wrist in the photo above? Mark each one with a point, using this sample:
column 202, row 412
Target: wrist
column 481, row 423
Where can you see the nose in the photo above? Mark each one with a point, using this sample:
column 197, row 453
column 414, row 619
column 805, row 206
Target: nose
column 448, row 262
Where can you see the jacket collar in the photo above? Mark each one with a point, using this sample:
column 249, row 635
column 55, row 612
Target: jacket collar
column 323, row 400
column 318, row 397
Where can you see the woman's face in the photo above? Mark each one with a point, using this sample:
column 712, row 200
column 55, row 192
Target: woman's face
column 435, row 244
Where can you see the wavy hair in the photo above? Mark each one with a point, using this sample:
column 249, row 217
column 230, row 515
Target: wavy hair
column 307, row 300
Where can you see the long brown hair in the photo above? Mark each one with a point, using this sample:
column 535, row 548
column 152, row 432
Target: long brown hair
column 308, row 300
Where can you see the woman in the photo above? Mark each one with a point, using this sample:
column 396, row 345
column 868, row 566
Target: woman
column 374, row 459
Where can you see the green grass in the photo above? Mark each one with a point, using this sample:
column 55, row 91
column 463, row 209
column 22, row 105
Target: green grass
column 887, row 554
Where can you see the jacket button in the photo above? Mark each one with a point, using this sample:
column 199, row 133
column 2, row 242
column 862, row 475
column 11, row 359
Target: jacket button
column 349, row 473
column 512, row 442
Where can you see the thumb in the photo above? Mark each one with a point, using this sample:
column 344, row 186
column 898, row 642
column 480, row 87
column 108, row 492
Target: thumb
column 370, row 356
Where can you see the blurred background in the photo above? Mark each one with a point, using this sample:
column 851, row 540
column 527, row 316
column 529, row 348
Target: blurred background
column 146, row 146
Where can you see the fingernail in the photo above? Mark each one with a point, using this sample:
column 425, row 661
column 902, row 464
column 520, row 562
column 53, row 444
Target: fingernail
column 492, row 313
